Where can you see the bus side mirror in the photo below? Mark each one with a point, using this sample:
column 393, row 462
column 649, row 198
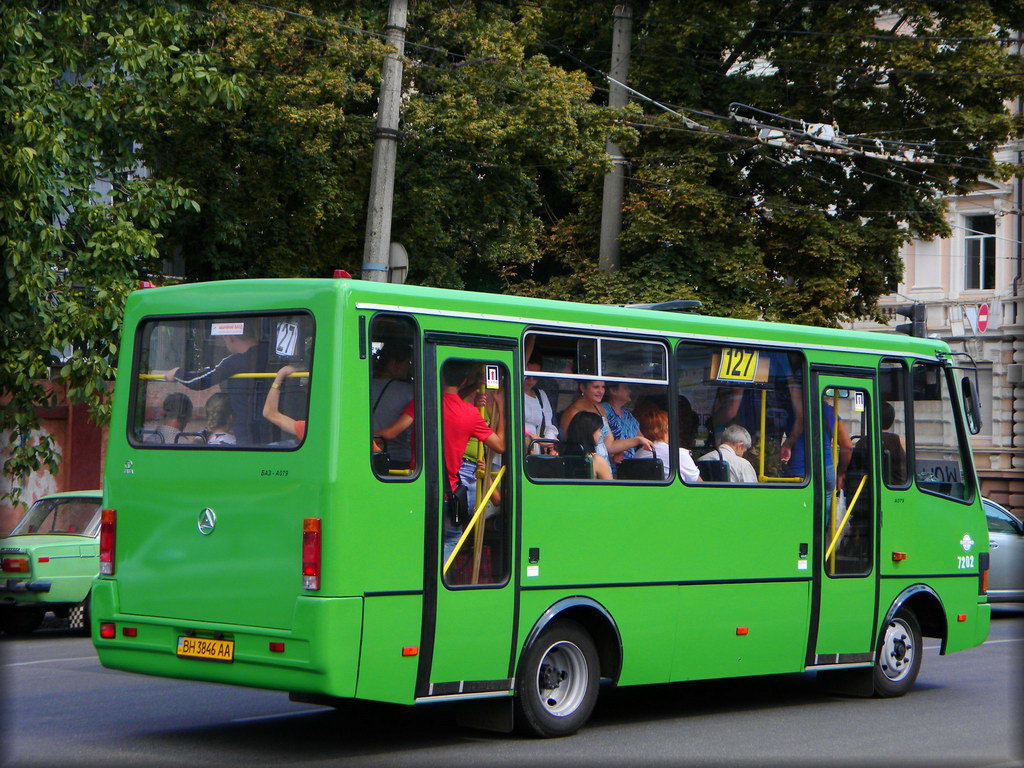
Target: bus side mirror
column 972, row 406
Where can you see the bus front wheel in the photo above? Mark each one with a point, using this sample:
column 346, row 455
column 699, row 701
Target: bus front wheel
column 556, row 687
column 899, row 656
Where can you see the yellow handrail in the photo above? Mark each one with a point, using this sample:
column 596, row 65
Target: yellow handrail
column 297, row 374
column 760, row 447
column 849, row 511
column 481, row 504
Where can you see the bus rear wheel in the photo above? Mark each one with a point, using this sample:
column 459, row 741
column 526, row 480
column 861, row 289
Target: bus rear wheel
column 557, row 684
column 899, row 656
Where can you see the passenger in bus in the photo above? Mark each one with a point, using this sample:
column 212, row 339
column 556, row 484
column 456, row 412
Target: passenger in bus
column 218, row 420
column 176, row 412
column 390, row 391
column 272, row 411
column 653, row 422
column 784, row 411
column 845, row 443
column 621, row 420
column 538, row 416
column 244, row 394
column 460, row 421
column 894, row 449
column 735, row 442
column 583, row 434
column 591, row 393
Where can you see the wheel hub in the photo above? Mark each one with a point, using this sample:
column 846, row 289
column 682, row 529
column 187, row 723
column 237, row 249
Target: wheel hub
column 550, row 678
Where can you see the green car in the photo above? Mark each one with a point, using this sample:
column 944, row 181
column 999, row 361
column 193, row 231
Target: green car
column 48, row 562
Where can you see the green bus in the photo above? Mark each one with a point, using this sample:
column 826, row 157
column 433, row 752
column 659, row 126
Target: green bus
column 353, row 490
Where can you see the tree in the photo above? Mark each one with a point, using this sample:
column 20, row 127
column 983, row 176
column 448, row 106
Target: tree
column 81, row 85
column 787, row 230
column 492, row 135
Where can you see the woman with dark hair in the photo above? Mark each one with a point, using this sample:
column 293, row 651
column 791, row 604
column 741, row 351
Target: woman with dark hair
column 584, row 432
column 589, row 401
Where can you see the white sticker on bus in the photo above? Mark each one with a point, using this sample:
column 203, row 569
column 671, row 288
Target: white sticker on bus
column 227, row 329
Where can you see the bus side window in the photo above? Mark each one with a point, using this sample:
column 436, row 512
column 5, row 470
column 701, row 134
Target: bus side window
column 892, row 423
column 938, row 454
column 393, row 407
column 751, row 393
column 579, row 385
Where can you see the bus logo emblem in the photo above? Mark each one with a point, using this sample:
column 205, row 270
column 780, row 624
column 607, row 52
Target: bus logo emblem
column 207, row 521
column 967, row 542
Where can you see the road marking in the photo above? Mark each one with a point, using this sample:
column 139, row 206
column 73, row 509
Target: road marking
column 987, row 642
column 271, row 717
column 48, row 661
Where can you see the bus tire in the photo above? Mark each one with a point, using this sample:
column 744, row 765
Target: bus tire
column 898, row 661
column 557, row 683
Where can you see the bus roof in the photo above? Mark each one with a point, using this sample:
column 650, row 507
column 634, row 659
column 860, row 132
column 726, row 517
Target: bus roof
column 275, row 294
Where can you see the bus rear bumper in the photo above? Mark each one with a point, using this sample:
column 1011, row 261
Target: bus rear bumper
column 284, row 659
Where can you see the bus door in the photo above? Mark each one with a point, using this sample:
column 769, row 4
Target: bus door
column 469, row 595
column 846, row 515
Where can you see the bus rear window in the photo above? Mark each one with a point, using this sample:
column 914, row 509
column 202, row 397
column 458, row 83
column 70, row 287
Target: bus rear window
column 222, row 383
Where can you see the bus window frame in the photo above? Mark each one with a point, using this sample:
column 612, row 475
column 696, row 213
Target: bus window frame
column 511, row 510
column 908, row 421
column 967, row 470
column 133, row 388
column 668, row 382
column 417, row 399
column 805, row 386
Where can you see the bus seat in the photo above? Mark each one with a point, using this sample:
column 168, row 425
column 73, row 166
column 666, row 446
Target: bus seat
column 545, row 467
column 713, row 471
column 641, row 469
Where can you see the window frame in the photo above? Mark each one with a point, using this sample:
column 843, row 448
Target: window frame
column 417, row 398
column 668, row 383
column 908, row 420
column 133, row 387
column 509, row 508
column 971, row 235
column 963, row 441
column 805, row 401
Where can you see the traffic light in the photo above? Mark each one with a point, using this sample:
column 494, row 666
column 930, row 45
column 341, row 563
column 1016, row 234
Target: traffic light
column 916, row 314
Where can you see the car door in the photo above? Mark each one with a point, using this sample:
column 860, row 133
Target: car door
column 1006, row 545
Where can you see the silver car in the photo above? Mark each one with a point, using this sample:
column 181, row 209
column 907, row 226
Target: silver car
column 1006, row 566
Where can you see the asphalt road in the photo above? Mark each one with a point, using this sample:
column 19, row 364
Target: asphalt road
column 60, row 708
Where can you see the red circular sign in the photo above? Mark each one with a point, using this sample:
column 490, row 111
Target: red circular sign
column 982, row 318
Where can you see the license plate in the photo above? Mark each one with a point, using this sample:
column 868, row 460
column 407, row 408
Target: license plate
column 206, row 648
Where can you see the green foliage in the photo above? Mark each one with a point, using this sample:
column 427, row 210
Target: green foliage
column 767, row 231
column 80, row 84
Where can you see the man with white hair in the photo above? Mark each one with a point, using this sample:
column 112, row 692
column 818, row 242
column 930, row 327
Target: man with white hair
column 735, row 442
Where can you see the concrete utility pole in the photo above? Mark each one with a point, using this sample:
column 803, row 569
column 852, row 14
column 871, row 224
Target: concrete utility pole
column 614, row 180
column 385, row 149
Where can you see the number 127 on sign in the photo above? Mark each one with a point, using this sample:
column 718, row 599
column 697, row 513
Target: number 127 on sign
column 738, row 364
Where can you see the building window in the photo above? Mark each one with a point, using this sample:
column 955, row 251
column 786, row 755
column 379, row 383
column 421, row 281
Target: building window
column 980, row 253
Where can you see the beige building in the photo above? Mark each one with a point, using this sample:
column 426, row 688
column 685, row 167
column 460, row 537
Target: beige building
column 955, row 278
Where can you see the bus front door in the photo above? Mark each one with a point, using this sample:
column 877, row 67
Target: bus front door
column 845, row 583
column 469, row 543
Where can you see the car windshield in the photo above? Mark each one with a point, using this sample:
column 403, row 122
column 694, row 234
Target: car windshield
column 71, row 515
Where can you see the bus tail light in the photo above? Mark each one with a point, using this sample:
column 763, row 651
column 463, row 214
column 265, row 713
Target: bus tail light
column 107, row 630
column 983, row 560
column 108, row 529
column 311, row 553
